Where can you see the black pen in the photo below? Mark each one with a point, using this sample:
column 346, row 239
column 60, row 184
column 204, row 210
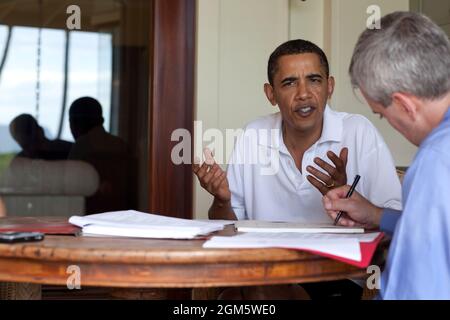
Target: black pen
column 349, row 194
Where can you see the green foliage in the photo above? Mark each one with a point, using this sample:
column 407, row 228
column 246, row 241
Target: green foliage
column 5, row 159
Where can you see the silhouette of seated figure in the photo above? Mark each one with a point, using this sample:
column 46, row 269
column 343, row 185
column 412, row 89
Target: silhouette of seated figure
column 35, row 145
column 106, row 152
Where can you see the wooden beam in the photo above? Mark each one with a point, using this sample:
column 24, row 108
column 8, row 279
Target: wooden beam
column 6, row 9
column 172, row 105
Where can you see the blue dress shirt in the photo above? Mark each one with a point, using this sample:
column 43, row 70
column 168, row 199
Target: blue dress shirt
column 389, row 220
column 418, row 265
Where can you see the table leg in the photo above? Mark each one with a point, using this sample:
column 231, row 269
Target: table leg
column 150, row 294
column 20, row 291
column 206, row 293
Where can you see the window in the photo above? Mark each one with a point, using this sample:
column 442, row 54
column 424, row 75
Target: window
column 45, row 68
column 89, row 74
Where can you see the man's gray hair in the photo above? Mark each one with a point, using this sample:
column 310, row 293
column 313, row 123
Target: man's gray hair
column 409, row 54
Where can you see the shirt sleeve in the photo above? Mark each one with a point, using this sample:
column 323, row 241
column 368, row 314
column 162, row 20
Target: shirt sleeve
column 389, row 220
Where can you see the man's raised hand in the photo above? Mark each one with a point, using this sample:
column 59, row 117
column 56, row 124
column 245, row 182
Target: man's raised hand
column 334, row 177
column 211, row 177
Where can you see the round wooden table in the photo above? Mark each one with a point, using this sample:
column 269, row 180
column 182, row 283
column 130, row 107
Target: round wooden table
column 150, row 263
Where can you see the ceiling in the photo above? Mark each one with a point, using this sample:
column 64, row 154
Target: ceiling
column 129, row 19
column 53, row 13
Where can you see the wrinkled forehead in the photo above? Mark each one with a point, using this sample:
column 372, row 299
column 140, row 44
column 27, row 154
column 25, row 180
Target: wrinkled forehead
column 300, row 64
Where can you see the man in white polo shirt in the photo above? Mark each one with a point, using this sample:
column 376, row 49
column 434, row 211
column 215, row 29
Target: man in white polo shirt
column 284, row 162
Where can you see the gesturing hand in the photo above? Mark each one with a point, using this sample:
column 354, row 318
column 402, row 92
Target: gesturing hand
column 336, row 177
column 212, row 178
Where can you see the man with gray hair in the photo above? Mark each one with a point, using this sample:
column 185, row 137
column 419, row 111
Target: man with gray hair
column 403, row 71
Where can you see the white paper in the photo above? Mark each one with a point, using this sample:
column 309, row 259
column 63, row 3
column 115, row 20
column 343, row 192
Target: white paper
column 222, row 222
column 139, row 224
column 274, row 226
column 345, row 246
column 361, row 237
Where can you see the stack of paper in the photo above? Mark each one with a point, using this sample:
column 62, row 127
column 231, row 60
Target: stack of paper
column 143, row 225
column 271, row 226
column 345, row 246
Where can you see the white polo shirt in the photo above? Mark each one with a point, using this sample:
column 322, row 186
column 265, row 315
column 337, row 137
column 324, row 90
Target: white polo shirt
column 265, row 184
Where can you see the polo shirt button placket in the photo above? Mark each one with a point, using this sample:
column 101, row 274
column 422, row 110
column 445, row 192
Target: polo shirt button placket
column 292, row 164
column 295, row 172
column 298, row 178
column 306, row 162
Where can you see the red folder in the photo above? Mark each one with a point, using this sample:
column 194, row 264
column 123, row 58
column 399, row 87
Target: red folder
column 47, row 225
column 367, row 251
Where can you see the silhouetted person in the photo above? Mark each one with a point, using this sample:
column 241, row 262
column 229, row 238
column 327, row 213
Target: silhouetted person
column 107, row 153
column 35, row 145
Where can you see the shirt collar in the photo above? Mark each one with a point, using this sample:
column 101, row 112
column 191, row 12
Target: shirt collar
column 428, row 137
column 447, row 114
column 332, row 126
column 331, row 131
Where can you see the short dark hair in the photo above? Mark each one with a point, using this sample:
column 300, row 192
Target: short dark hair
column 85, row 114
column 291, row 47
column 86, row 108
column 25, row 128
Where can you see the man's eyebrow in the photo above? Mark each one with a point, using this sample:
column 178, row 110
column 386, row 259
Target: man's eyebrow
column 289, row 79
column 314, row 75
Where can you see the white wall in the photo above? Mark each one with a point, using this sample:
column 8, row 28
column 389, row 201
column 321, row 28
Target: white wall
column 348, row 20
column 235, row 39
column 438, row 10
column 310, row 20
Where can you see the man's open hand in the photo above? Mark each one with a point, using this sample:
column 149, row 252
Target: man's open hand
column 334, row 177
column 212, row 178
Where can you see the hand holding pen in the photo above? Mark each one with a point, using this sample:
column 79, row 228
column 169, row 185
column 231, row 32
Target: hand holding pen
column 358, row 210
column 349, row 194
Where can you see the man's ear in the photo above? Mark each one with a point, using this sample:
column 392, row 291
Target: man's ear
column 268, row 90
column 405, row 103
column 330, row 86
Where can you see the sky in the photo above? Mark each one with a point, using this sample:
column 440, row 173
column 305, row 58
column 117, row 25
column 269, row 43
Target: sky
column 90, row 72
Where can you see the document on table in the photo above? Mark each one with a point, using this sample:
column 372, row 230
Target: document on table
column 342, row 245
column 223, row 222
column 275, row 226
column 132, row 223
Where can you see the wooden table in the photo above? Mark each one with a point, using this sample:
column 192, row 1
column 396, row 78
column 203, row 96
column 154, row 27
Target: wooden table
column 150, row 263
